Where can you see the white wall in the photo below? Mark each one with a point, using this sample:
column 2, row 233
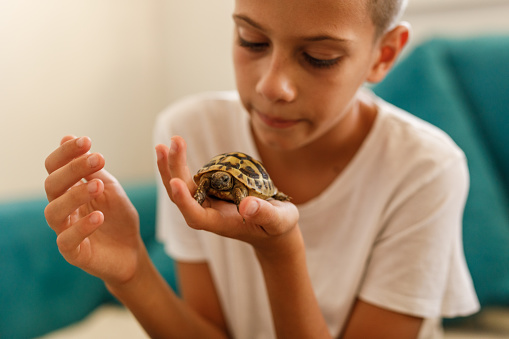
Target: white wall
column 457, row 18
column 105, row 68
column 102, row 68
column 77, row 67
column 198, row 45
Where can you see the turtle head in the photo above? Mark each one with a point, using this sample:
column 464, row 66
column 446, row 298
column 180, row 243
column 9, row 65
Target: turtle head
column 221, row 181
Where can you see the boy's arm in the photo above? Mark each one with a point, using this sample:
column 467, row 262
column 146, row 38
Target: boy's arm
column 296, row 311
column 198, row 290
column 294, row 306
column 382, row 323
column 97, row 230
column 279, row 246
column 162, row 313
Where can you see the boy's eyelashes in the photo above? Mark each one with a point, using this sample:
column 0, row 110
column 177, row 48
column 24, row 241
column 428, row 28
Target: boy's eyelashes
column 314, row 62
column 254, row 46
column 321, row 63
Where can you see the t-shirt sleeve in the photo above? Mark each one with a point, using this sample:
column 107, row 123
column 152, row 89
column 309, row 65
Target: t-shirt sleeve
column 180, row 241
column 417, row 264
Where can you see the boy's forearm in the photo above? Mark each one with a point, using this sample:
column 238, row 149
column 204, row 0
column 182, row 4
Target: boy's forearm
column 295, row 310
column 158, row 309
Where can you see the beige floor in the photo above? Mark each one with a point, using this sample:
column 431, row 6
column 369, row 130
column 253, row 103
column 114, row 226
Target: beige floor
column 108, row 322
column 114, row 322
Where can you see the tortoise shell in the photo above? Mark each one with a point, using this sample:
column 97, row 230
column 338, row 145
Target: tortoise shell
column 244, row 168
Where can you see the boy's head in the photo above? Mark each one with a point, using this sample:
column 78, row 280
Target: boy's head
column 299, row 64
column 385, row 14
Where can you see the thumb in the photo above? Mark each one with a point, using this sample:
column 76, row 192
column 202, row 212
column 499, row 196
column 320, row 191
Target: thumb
column 276, row 217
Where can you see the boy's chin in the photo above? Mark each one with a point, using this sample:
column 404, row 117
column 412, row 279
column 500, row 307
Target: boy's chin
column 282, row 143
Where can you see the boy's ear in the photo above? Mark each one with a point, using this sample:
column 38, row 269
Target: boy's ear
column 389, row 48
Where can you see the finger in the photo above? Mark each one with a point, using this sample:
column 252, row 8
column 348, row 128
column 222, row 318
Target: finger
column 222, row 214
column 60, row 180
column 58, row 211
column 67, row 138
column 274, row 216
column 177, row 162
column 164, row 167
column 69, row 149
column 102, row 174
column 193, row 213
column 71, row 240
column 221, row 218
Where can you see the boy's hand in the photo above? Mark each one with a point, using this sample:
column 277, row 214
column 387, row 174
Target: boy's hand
column 96, row 224
column 266, row 221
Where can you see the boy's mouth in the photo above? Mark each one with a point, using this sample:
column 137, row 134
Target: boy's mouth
column 276, row 122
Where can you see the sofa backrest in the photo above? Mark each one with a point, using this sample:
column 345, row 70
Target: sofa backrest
column 462, row 86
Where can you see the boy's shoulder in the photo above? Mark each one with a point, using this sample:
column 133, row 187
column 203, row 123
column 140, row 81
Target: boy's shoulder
column 206, row 105
column 413, row 133
column 210, row 122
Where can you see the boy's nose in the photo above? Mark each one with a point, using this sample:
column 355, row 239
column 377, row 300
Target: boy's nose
column 276, row 82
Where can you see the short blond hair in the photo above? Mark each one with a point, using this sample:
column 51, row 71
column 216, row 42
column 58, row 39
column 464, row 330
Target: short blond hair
column 386, row 14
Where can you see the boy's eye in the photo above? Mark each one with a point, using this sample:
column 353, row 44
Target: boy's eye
column 253, row 46
column 262, row 46
column 321, row 63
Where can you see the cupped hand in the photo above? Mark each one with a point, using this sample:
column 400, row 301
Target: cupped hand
column 262, row 223
column 97, row 227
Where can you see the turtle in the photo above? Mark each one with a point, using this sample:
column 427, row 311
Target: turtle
column 234, row 176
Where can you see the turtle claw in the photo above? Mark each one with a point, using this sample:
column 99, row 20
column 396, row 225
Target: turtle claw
column 201, row 191
column 199, row 197
column 243, row 220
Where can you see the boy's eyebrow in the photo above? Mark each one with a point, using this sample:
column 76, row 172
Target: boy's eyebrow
column 323, row 37
column 320, row 37
column 248, row 20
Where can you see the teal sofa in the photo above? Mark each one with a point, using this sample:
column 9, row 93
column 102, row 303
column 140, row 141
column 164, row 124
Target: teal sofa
column 39, row 291
column 462, row 86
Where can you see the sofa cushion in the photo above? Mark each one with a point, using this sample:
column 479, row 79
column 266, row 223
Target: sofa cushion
column 427, row 84
column 39, row 291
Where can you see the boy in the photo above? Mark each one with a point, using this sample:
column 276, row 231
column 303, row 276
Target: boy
column 370, row 246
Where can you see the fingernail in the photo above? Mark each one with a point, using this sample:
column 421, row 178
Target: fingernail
column 94, row 218
column 159, row 155
column 251, row 208
column 92, row 187
column 173, row 146
column 93, row 160
column 80, row 142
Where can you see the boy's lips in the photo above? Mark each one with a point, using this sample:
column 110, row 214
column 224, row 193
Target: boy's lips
column 276, row 122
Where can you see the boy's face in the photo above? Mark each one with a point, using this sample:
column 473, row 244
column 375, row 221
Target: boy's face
column 299, row 65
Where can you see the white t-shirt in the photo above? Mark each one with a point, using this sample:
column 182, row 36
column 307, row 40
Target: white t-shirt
column 387, row 230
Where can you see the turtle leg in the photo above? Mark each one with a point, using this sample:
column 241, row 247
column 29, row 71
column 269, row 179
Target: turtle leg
column 201, row 191
column 239, row 192
column 281, row 196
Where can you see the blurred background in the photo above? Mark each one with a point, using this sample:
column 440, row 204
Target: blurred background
column 106, row 68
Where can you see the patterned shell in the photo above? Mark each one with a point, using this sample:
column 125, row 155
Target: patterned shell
column 244, row 168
